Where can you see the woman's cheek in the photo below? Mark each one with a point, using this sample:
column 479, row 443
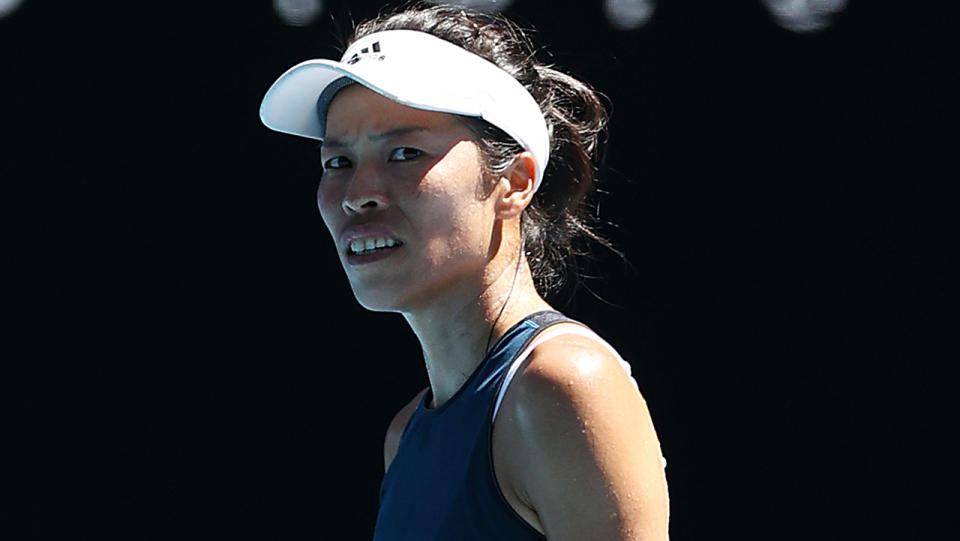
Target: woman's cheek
column 328, row 204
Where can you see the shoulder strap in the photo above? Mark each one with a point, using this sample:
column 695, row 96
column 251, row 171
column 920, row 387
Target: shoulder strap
column 546, row 334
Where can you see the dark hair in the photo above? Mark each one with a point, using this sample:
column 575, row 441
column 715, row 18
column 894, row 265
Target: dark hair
column 558, row 221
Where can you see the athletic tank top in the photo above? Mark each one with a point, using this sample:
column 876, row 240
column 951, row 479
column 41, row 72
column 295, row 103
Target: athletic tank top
column 441, row 484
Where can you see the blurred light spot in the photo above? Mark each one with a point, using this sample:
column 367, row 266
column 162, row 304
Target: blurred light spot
column 298, row 12
column 804, row 15
column 628, row 14
column 9, row 6
column 479, row 5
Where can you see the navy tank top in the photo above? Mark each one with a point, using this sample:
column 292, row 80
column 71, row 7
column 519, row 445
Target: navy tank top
column 441, row 484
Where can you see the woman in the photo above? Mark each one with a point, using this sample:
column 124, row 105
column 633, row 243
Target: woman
column 454, row 164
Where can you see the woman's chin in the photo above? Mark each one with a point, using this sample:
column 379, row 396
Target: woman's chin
column 378, row 302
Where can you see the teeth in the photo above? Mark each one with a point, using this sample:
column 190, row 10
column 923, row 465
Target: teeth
column 359, row 246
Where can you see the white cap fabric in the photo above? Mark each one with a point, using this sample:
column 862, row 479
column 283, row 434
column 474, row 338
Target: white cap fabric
column 414, row 69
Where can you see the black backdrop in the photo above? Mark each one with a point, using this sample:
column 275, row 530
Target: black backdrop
column 189, row 362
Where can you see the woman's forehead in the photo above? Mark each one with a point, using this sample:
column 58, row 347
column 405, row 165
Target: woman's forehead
column 358, row 111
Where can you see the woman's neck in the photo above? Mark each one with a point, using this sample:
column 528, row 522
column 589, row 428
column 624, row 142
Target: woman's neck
column 455, row 333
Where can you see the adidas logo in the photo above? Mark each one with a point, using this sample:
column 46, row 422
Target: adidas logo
column 366, row 52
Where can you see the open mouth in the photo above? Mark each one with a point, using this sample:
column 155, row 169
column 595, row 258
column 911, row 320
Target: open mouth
column 371, row 245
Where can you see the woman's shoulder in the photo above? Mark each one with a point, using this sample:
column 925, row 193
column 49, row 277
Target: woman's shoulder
column 576, row 433
column 573, row 364
column 397, row 427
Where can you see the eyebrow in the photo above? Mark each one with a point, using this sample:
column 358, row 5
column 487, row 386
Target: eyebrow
column 330, row 142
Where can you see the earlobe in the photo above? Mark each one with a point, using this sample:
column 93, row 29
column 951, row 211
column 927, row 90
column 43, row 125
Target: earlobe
column 519, row 181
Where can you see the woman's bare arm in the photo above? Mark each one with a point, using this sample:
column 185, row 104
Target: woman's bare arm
column 583, row 453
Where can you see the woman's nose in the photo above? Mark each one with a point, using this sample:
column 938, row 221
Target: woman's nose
column 365, row 193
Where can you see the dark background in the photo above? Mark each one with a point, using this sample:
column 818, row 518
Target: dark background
column 188, row 361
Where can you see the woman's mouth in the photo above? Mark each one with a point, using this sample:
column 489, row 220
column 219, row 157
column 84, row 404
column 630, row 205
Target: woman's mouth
column 368, row 245
column 363, row 250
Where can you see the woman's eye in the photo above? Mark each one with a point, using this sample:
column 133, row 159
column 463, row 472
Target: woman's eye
column 403, row 154
column 336, row 162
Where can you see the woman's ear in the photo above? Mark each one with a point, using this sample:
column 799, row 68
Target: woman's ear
column 518, row 180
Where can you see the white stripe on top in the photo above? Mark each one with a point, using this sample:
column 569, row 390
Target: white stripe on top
column 552, row 332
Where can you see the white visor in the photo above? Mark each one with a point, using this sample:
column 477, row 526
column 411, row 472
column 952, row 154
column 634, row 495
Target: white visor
column 414, row 69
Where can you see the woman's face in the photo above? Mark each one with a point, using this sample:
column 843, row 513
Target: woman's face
column 403, row 195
